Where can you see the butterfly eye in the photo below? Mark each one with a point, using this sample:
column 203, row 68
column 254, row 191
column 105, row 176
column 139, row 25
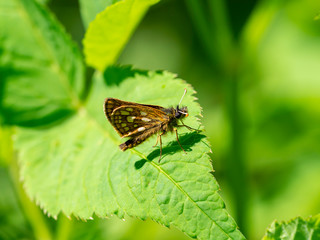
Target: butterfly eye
column 180, row 114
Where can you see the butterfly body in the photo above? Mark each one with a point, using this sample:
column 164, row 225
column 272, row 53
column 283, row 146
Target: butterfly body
column 140, row 121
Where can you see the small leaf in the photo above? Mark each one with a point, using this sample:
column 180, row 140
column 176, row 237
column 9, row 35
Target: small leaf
column 298, row 229
column 77, row 168
column 41, row 68
column 110, row 31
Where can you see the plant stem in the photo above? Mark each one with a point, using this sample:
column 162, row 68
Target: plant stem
column 33, row 213
column 236, row 171
column 217, row 37
column 64, row 228
column 198, row 15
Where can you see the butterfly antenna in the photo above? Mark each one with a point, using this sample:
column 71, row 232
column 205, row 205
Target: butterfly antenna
column 185, row 91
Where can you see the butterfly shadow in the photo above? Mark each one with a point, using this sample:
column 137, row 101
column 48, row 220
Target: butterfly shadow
column 114, row 75
column 187, row 141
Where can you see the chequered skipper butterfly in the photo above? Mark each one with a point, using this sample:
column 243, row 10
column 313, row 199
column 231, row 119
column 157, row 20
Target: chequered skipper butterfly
column 140, row 121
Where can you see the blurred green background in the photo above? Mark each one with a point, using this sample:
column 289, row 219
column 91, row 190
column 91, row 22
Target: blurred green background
column 256, row 68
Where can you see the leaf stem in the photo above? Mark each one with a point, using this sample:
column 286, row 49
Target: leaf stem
column 214, row 31
column 33, row 213
column 197, row 13
column 216, row 35
column 236, row 171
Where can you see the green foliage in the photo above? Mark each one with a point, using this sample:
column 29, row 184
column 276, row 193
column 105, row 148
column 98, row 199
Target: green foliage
column 68, row 152
column 258, row 84
column 111, row 30
column 35, row 52
column 280, row 106
column 77, row 168
column 297, row 229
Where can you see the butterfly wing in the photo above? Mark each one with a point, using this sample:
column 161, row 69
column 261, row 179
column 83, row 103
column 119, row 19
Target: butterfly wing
column 130, row 119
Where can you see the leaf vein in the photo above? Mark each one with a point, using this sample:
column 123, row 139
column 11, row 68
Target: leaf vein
column 182, row 190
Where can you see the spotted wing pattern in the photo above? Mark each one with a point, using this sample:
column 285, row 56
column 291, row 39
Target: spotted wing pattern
column 131, row 119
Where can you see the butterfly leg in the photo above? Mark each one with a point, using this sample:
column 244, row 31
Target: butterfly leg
column 160, row 146
column 189, row 128
column 156, row 141
column 178, row 139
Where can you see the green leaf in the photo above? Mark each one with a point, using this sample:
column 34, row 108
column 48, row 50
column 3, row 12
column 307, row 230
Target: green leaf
column 77, row 168
column 297, row 229
column 41, row 68
column 89, row 9
column 111, row 30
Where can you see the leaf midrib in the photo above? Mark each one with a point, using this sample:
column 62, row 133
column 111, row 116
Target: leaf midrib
column 178, row 186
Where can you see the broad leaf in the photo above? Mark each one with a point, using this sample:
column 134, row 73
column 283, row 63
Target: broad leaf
column 89, row 9
column 110, row 31
column 297, row 229
column 41, row 69
column 77, row 168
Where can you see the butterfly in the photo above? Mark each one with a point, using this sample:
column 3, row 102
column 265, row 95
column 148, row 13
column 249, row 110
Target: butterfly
column 140, row 121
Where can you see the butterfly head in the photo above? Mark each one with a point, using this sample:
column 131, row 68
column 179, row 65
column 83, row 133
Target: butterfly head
column 181, row 112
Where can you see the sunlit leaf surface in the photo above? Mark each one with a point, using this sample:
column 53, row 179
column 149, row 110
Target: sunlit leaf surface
column 77, row 168
column 298, row 229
